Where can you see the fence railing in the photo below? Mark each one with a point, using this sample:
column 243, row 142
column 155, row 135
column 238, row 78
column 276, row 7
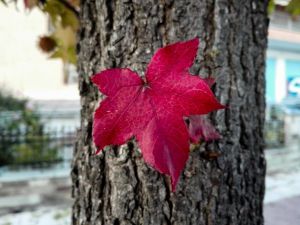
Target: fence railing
column 274, row 132
column 35, row 150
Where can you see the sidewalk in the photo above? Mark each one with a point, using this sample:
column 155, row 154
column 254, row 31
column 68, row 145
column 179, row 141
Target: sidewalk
column 283, row 212
column 282, row 198
column 41, row 216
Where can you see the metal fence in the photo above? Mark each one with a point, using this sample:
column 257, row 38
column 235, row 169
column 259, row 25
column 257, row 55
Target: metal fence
column 282, row 125
column 274, row 131
column 41, row 149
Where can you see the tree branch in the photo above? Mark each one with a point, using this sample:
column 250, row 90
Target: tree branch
column 70, row 7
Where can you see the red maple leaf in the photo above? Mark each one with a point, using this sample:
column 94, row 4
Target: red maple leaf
column 152, row 110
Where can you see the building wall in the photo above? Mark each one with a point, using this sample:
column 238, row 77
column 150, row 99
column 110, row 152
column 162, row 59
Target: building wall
column 282, row 75
column 283, row 58
column 24, row 69
column 270, row 79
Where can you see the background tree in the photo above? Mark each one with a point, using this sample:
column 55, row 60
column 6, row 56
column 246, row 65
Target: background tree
column 223, row 182
column 60, row 41
column 23, row 139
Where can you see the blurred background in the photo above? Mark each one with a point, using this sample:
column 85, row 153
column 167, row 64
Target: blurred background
column 40, row 108
column 39, row 115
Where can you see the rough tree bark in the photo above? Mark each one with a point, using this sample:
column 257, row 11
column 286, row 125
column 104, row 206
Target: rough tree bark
column 116, row 187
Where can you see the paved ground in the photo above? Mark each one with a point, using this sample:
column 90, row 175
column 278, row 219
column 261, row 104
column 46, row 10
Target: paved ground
column 29, row 195
column 41, row 216
column 283, row 212
column 282, row 199
column 282, row 186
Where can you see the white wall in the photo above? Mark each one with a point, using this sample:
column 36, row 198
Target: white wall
column 23, row 67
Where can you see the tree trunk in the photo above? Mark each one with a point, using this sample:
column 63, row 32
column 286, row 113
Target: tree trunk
column 223, row 183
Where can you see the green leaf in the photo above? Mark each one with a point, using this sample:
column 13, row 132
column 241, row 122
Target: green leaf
column 57, row 54
column 58, row 12
column 68, row 55
column 4, row 2
column 68, row 18
column 64, row 35
column 65, row 24
column 271, row 6
column 293, row 7
column 66, row 41
column 71, row 55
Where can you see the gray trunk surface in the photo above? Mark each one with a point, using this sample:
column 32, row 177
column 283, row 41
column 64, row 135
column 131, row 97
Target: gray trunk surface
column 223, row 182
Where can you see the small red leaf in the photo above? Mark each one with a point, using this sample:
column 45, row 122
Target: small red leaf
column 201, row 129
column 153, row 110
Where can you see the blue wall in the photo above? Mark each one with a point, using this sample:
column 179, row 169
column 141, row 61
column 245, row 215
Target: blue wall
column 292, row 68
column 270, row 80
column 292, row 71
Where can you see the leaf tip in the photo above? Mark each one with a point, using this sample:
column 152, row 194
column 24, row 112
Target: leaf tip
column 93, row 78
column 195, row 40
column 193, row 43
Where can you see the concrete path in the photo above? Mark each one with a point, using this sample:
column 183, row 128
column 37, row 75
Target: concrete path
column 283, row 212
